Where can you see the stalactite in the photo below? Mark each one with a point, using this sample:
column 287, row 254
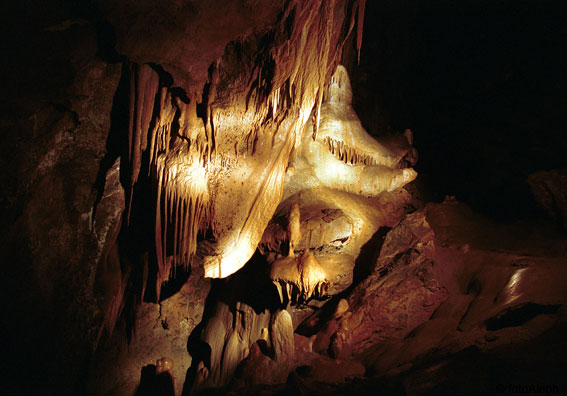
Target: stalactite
column 297, row 279
column 360, row 27
column 286, row 83
column 182, row 201
column 286, row 86
column 144, row 84
column 347, row 154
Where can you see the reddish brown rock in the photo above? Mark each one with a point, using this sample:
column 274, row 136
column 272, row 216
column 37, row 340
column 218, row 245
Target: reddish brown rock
column 186, row 37
column 402, row 292
column 160, row 330
column 497, row 296
column 54, row 125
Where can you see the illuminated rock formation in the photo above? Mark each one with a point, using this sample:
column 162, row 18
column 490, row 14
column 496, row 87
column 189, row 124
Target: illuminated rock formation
column 299, row 278
column 345, row 186
column 164, row 365
column 316, row 233
column 343, row 155
column 238, row 150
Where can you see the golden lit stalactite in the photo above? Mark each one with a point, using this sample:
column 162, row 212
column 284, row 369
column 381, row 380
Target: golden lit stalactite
column 159, row 148
column 225, row 173
column 299, row 277
column 182, row 188
column 161, row 132
column 303, row 58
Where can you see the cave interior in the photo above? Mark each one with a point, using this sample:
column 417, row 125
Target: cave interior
column 284, row 197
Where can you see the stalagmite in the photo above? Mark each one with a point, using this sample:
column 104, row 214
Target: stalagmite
column 281, row 336
column 293, row 229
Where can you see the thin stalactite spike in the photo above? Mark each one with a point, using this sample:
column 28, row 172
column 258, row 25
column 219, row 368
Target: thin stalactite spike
column 360, row 26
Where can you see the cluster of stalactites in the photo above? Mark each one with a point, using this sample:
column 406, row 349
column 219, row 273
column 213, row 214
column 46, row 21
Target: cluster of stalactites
column 179, row 160
column 286, row 85
column 347, row 154
column 304, row 52
column 161, row 132
column 182, row 205
column 181, row 165
column 297, row 279
column 144, row 83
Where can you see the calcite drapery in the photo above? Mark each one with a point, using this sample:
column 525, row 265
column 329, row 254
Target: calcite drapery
column 344, row 156
column 236, row 147
column 327, row 181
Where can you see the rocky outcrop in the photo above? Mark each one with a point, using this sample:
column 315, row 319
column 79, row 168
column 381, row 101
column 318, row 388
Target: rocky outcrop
column 403, row 291
column 185, row 38
column 494, row 297
column 159, row 330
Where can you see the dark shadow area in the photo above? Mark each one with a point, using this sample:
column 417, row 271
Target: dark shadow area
column 517, row 316
column 252, row 286
column 152, row 384
column 369, row 253
column 115, row 142
column 105, row 32
column 480, row 84
column 512, row 369
column 200, row 351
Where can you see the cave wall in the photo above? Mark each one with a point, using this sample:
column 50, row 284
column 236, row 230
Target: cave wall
column 56, row 103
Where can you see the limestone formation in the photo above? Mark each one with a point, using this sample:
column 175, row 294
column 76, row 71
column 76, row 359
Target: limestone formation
column 281, row 334
column 164, row 365
column 293, row 228
column 343, row 155
column 239, row 148
column 299, row 278
column 150, row 146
